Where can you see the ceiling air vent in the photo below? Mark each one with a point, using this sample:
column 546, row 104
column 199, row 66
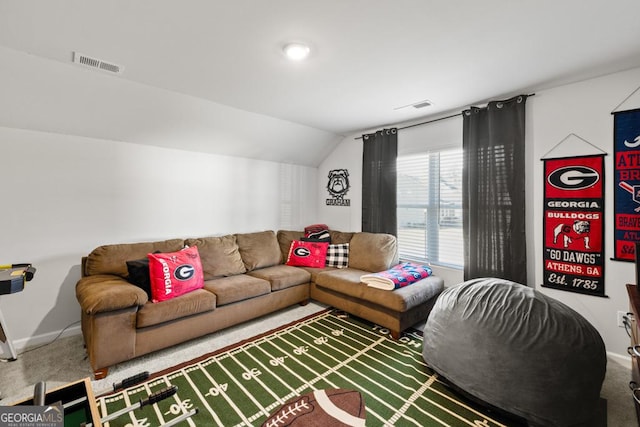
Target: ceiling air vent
column 416, row 105
column 422, row 104
column 90, row 62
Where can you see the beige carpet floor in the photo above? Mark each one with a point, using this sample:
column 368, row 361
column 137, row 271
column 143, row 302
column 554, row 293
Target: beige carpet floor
column 64, row 361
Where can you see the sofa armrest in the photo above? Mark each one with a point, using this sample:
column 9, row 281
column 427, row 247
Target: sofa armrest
column 105, row 292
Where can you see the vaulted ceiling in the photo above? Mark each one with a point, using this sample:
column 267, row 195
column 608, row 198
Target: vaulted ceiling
column 370, row 61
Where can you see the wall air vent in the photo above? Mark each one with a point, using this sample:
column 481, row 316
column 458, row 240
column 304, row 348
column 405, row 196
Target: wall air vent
column 99, row 64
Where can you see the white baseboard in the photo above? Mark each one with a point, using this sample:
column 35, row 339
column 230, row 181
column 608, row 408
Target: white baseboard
column 623, row 359
column 43, row 339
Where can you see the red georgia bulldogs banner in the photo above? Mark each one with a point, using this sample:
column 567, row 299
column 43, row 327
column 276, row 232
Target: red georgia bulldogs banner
column 573, row 224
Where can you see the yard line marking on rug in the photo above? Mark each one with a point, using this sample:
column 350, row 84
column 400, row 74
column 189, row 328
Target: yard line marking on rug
column 368, row 356
column 128, row 403
column 449, row 398
column 338, row 321
column 407, row 352
column 318, row 376
column 182, row 405
column 255, row 378
column 278, row 400
column 373, row 339
column 227, row 397
column 155, row 408
column 265, row 339
column 470, row 409
column 217, row 386
column 344, row 364
column 246, row 350
column 330, row 370
column 292, row 355
column 430, row 378
column 400, row 413
column 304, row 383
column 202, row 399
column 418, row 394
column 364, row 353
column 293, row 392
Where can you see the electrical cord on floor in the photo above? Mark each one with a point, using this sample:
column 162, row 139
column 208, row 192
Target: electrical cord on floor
column 53, row 340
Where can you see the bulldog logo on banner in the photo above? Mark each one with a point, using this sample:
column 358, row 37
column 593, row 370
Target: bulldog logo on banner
column 573, row 224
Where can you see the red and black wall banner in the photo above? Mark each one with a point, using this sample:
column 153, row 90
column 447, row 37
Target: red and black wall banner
column 626, row 135
column 573, row 224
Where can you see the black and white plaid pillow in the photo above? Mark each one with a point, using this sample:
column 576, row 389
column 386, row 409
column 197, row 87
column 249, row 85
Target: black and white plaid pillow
column 338, row 256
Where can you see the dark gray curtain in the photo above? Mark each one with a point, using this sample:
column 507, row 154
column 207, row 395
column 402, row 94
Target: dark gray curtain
column 380, row 151
column 493, row 179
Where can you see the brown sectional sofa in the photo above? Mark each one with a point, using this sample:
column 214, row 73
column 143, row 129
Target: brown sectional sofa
column 245, row 278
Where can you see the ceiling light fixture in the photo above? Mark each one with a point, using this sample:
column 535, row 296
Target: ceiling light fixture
column 296, row 51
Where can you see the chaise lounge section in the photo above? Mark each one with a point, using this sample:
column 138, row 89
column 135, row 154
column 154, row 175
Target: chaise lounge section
column 245, row 277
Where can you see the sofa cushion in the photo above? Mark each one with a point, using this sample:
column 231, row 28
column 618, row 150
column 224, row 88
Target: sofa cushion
column 372, row 252
column 285, row 237
column 237, row 288
column 338, row 237
column 347, row 281
column 112, row 259
column 259, row 250
column 220, row 256
column 194, row 302
column 282, row 276
column 315, row 271
column 107, row 292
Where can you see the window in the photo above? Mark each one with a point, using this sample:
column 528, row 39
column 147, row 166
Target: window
column 430, row 207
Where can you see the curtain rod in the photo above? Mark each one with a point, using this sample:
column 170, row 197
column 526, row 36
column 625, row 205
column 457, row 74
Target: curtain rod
column 435, row 120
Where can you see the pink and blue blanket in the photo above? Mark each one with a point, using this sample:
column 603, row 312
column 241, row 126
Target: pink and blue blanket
column 398, row 276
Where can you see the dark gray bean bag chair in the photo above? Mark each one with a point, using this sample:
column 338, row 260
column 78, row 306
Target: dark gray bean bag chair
column 516, row 349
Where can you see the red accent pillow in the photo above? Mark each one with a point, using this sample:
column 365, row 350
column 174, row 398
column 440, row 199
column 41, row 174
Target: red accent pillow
column 307, row 254
column 175, row 273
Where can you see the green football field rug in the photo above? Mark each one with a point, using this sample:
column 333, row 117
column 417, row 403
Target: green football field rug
column 298, row 375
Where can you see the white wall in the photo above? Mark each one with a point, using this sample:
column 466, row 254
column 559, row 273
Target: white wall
column 57, row 97
column 583, row 109
column 65, row 195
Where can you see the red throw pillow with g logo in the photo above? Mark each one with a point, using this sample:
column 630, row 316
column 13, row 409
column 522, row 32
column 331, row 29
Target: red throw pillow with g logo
column 175, row 273
column 307, row 254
